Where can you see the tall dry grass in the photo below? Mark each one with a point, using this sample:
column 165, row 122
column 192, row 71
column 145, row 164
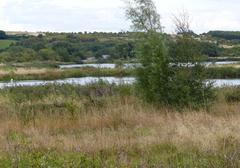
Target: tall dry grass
column 123, row 122
column 55, row 73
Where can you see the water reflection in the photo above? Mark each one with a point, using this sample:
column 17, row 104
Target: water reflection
column 111, row 80
column 131, row 65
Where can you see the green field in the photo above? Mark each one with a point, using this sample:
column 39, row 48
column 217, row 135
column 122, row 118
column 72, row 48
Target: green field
column 6, row 43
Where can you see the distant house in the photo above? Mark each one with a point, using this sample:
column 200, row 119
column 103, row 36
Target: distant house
column 106, row 56
column 89, row 60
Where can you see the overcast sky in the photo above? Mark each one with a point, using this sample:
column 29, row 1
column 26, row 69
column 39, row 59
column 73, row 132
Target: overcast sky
column 108, row 15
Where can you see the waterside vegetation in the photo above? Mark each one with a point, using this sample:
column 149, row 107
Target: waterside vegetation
column 102, row 125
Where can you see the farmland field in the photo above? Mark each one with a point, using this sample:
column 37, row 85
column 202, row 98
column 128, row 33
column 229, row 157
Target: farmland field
column 6, row 43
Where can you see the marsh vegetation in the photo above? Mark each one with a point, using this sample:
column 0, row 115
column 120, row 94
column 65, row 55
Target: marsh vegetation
column 102, row 125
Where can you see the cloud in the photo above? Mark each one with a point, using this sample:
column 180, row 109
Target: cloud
column 205, row 14
column 108, row 15
column 5, row 24
column 59, row 15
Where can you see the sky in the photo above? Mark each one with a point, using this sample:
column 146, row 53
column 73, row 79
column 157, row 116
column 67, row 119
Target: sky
column 108, row 15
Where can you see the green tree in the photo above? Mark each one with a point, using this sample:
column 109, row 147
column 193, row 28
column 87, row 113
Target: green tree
column 48, row 54
column 2, row 35
column 158, row 81
column 18, row 54
column 124, row 51
column 210, row 49
column 189, row 74
column 154, row 75
column 143, row 15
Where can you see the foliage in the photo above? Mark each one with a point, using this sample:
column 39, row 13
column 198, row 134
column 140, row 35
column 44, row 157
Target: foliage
column 2, row 35
column 185, row 50
column 48, row 54
column 157, row 81
column 70, row 47
column 187, row 86
column 143, row 15
column 210, row 49
column 92, row 47
column 18, row 54
column 153, row 76
column 228, row 35
column 188, row 82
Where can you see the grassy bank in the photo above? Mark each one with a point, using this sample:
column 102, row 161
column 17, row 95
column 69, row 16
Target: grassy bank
column 50, row 71
column 223, row 73
column 107, row 126
column 8, row 73
column 53, row 73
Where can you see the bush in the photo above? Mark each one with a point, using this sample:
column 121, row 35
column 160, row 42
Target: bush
column 2, row 35
column 153, row 76
column 159, row 83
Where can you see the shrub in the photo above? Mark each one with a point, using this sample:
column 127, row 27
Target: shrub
column 157, row 81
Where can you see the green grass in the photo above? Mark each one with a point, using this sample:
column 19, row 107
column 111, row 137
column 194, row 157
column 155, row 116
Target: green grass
column 53, row 74
column 223, row 73
column 164, row 155
column 6, row 43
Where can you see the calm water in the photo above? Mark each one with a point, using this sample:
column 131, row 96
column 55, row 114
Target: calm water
column 74, row 81
column 221, row 63
column 112, row 80
column 112, row 66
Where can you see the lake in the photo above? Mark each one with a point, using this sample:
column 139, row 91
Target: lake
column 112, row 66
column 111, row 80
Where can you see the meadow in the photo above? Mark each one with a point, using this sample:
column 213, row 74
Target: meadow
column 102, row 125
column 6, row 43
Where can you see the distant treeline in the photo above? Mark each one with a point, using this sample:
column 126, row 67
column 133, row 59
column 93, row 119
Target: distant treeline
column 69, row 47
column 86, row 47
column 228, row 35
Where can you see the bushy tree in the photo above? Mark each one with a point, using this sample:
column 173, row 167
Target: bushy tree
column 189, row 80
column 3, row 35
column 48, row 54
column 176, row 81
column 189, row 74
column 210, row 49
column 154, row 74
column 143, row 15
column 18, row 54
column 124, row 51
